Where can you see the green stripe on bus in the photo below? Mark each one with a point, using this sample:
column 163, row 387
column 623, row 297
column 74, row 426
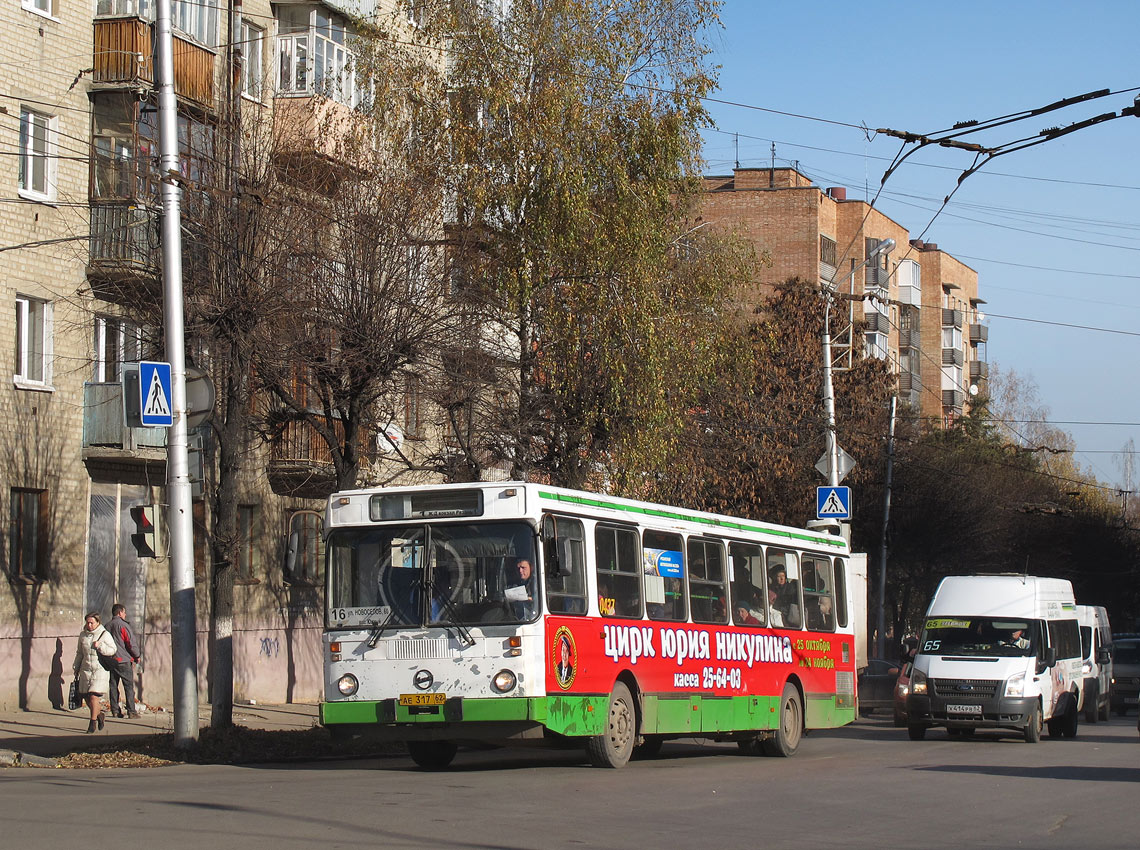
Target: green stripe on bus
column 665, row 514
column 583, row 716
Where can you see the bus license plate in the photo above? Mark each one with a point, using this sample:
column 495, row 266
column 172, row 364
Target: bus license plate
column 423, row 699
column 964, row 709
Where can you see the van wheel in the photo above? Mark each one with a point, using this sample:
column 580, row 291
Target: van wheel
column 786, row 739
column 432, row 755
column 1092, row 698
column 1069, row 721
column 916, row 732
column 1033, row 727
column 1104, row 711
column 614, row 746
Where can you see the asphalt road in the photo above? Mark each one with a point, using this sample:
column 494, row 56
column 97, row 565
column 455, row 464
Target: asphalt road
column 866, row 785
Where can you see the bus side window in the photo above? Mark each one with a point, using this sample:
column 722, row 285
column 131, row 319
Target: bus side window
column 707, row 595
column 784, row 589
column 749, row 598
column 617, row 559
column 841, row 593
column 819, row 604
column 664, row 565
column 564, row 564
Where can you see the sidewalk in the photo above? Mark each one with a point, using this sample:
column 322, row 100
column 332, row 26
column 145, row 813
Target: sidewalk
column 46, row 733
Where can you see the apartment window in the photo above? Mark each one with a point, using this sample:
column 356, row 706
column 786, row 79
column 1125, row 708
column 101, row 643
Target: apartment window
column 140, row 8
column 417, row 12
column 37, row 155
column 40, row 7
column 827, row 250
column 314, row 55
column 27, row 529
column 305, row 551
column 116, row 342
column 252, row 47
column 245, row 558
column 33, row 341
column 197, row 19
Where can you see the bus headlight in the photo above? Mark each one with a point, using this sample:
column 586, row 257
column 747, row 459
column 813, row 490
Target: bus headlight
column 1015, row 685
column 504, row 681
column 347, row 684
column 918, row 682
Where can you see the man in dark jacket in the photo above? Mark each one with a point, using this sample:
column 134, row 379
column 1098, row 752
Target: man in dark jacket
column 126, row 654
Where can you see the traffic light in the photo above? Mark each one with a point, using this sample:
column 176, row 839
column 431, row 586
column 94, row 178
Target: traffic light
column 145, row 537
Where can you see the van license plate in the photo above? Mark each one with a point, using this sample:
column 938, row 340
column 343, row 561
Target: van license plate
column 964, row 709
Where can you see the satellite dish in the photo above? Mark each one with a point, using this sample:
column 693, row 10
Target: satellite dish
column 389, row 438
column 973, row 389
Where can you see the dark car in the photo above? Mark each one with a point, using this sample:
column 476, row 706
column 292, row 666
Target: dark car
column 902, row 688
column 1125, row 673
column 877, row 685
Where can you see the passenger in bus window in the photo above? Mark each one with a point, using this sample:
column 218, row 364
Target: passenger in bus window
column 607, row 604
column 744, row 617
column 520, row 590
column 824, row 607
column 776, row 620
column 787, row 596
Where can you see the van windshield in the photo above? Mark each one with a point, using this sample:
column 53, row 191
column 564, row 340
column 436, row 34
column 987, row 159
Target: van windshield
column 988, row 636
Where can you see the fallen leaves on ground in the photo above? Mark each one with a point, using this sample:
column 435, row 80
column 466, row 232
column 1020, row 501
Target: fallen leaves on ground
column 235, row 745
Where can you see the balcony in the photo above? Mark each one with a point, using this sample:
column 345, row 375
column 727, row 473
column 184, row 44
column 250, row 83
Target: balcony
column 107, row 441
column 125, row 244
column 300, row 462
column 952, row 318
column 909, row 338
column 953, row 399
column 124, row 56
column 979, row 333
column 877, row 322
column 979, row 370
column 953, row 357
column 906, row 382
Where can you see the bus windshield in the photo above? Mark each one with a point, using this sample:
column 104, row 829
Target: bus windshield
column 988, row 636
column 417, row 574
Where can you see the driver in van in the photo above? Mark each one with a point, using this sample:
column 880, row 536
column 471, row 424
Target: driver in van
column 1017, row 638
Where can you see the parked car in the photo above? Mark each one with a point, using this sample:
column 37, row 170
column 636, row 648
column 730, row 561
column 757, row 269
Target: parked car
column 1125, row 672
column 876, row 685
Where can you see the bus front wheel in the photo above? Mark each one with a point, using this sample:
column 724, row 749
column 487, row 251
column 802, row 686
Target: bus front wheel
column 786, row 738
column 432, row 755
column 615, row 745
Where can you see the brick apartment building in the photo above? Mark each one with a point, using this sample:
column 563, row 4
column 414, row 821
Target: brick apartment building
column 78, row 241
column 925, row 319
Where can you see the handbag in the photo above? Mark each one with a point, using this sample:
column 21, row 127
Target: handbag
column 74, row 698
column 107, row 662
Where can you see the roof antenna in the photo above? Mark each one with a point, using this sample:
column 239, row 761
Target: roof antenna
column 772, row 172
column 736, row 141
column 1026, row 574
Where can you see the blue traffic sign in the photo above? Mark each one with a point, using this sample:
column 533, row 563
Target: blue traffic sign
column 155, row 396
column 833, row 502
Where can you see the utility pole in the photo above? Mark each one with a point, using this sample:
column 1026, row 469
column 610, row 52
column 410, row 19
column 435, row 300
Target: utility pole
column 880, row 644
column 183, row 624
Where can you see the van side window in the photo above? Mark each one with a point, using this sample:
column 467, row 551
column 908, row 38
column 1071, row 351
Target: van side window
column 1065, row 637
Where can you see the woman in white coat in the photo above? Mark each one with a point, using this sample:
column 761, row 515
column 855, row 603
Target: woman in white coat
column 94, row 680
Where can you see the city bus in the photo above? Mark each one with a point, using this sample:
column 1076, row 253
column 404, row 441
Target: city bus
column 515, row 612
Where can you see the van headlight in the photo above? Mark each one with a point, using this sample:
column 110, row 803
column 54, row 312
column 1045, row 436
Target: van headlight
column 1015, row 685
column 918, row 682
column 347, row 684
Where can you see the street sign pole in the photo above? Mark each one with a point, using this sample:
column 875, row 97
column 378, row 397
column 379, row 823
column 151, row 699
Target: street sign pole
column 183, row 625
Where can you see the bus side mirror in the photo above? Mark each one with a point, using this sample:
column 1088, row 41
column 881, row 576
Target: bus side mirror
column 565, row 565
column 289, row 564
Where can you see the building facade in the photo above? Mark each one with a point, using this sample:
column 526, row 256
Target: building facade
column 79, row 251
column 918, row 306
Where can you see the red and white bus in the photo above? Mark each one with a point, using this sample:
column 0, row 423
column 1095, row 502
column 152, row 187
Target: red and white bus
column 514, row 612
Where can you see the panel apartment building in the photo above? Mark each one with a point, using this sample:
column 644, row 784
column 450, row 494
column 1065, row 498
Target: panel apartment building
column 78, row 242
column 922, row 312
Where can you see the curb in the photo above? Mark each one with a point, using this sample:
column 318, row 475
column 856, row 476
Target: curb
column 14, row 758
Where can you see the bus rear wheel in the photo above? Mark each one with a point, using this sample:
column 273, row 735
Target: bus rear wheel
column 432, row 755
column 789, row 731
column 614, row 746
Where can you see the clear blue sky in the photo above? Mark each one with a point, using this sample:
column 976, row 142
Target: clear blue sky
column 1053, row 231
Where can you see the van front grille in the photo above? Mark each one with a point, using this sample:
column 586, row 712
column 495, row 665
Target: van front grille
column 981, row 688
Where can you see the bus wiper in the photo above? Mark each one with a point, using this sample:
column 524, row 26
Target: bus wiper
column 451, row 611
column 379, row 628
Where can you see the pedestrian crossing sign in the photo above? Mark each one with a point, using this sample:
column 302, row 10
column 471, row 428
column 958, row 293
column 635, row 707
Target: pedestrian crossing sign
column 155, row 395
column 833, row 502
